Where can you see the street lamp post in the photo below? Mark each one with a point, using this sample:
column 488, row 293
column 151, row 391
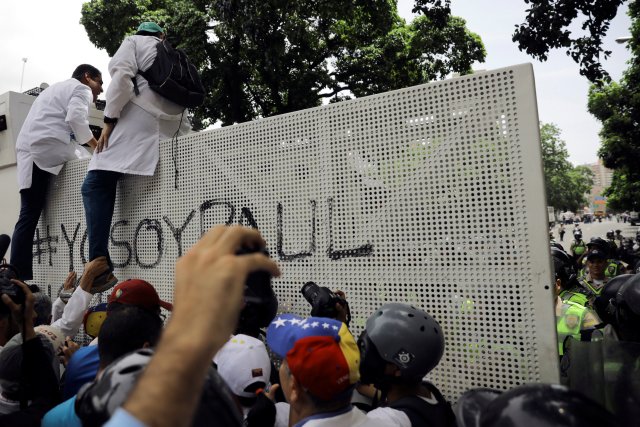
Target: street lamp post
column 24, row 62
column 622, row 40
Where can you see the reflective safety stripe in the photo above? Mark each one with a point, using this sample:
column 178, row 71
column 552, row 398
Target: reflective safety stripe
column 569, row 322
column 579, row 248
column 585, row 283
column 574, row 297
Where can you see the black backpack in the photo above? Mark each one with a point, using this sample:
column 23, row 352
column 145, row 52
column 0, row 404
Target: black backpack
column 174, row 77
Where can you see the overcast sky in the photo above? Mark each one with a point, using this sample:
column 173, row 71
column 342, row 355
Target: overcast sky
column 49, row 35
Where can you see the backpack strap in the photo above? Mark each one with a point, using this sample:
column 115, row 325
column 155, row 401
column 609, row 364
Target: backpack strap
column 143, row 74
column 135, row 84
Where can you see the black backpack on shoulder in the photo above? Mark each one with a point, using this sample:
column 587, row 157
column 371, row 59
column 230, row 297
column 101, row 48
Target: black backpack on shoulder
column 174, row 77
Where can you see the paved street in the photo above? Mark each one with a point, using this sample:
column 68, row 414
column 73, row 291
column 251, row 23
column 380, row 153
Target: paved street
column 596, row 229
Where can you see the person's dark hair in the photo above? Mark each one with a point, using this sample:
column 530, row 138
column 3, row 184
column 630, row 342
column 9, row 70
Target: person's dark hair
column 251, row 388
column 42, row 307
column 127, row 328
column 85, row 68
column 115, row 305
column 148, row 33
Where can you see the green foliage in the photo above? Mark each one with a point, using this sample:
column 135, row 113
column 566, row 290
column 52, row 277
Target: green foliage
column 547, row 25
column 622, row 194
column 272, row 57
column 565, row 184
column 617, row 106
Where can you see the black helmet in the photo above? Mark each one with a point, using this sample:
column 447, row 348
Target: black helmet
column 97, row 401
column 609, row 292
column 577, row 234
column 540, row 405
column 600, row 243
column 626, row 309
column 630, row 294
column 404, row 336
column 557, row 246
column 563, row 267
column 610, row 234
column 561, row 254
column 627, row 243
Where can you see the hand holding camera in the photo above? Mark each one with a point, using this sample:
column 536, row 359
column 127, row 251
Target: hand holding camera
column 8, row 275
column 326, row 303
column 20, row 301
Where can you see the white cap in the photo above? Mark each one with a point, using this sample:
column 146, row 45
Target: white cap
column 243, row 361
column 54, row 335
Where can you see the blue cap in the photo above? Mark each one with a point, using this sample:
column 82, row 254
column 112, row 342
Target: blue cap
column 321, row 353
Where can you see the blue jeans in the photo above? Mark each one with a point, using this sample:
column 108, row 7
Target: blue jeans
column 32, row 201
column 99, row 199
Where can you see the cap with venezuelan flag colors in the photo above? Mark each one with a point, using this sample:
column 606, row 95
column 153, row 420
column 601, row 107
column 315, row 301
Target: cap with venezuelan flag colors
column 321, row 353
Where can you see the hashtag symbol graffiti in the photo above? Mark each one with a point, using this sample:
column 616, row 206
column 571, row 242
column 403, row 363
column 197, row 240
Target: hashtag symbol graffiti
column 43, row 246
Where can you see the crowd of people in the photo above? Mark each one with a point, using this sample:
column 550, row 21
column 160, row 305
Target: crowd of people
column 227, row 360
column 226, row 357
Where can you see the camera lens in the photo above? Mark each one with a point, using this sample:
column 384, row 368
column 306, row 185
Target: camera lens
column 310, row 292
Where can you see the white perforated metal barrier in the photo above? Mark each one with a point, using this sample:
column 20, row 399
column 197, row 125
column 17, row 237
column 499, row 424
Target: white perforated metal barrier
column 431, row 195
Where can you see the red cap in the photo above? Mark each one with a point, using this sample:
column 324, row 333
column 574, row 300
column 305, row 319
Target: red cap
column 320, row 367
column 139, row 293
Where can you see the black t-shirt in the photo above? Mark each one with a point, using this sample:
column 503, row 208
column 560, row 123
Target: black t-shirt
column 422, row 413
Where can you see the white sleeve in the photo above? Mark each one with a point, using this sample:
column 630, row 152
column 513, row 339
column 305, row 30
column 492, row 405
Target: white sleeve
column 78, row 113
column 73, row 313
column 390, row 417
column 185, row 125
column 122, row 68
column 56, row 309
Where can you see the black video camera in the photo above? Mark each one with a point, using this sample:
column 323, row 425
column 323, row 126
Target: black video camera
column 261, row 303
column 323, row 301
column 8, row 272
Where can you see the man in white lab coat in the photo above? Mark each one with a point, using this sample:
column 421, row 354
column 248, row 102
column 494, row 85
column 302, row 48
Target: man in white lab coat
column 58, row 116
column 130, row 140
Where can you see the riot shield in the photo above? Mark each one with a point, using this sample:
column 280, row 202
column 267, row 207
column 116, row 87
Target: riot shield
column 607, row 371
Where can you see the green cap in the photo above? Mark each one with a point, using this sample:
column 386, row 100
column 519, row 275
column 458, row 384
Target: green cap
column 150, row 27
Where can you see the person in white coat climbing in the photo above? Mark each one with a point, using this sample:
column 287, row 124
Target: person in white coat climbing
column 58, row 116
column 136, row 119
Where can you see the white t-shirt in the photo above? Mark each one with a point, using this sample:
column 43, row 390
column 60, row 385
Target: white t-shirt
column 351, row 417
column 390, row 417
column 282, row 414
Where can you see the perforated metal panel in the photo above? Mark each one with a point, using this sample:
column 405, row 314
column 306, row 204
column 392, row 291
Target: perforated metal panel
column 430, row 195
